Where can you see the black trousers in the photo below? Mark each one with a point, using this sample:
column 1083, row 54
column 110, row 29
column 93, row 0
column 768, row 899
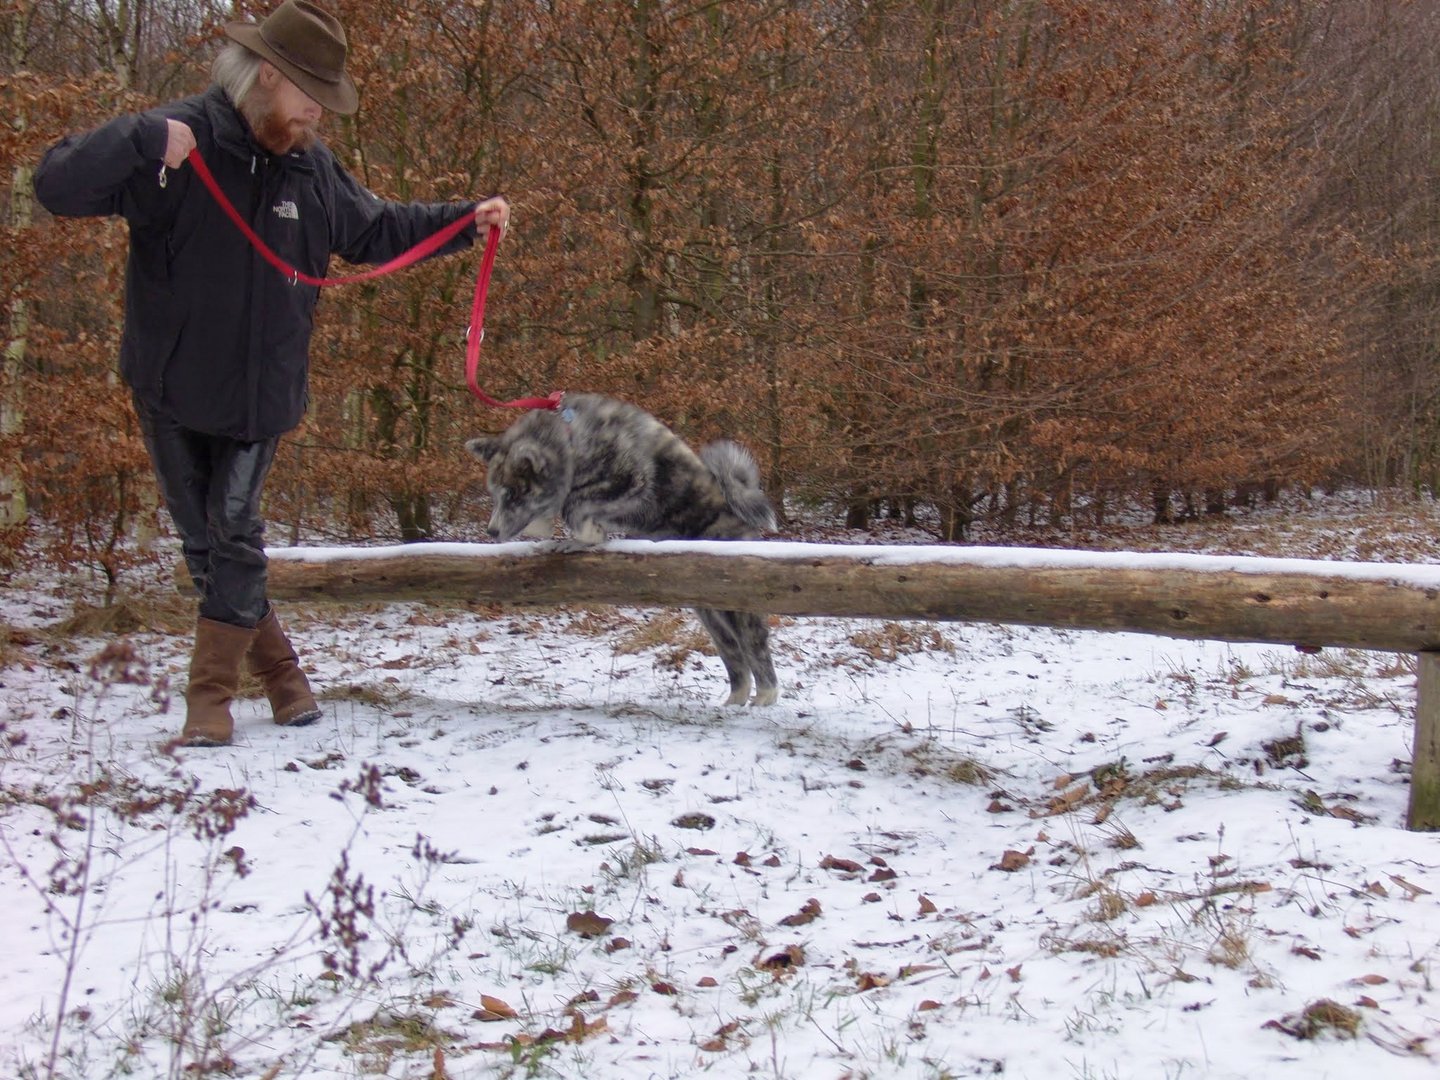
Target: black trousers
column 211, row 486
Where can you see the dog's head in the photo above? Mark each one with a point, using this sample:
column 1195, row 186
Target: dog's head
column 527, row 482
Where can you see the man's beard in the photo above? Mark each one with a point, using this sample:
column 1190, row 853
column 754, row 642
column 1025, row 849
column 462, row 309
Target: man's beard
column 271, row 131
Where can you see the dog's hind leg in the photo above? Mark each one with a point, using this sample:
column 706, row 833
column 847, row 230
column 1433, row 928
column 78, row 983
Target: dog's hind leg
column 725, row 633
column 754, row 634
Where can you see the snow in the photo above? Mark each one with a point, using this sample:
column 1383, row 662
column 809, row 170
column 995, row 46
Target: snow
column 481, row 781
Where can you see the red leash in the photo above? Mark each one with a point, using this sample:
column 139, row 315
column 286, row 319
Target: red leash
column 476, row 334
column 428, row 246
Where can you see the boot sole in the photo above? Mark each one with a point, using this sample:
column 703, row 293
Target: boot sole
column 302, row 719
column 202, row 741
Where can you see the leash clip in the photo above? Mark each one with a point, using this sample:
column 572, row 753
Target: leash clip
column 163, row 178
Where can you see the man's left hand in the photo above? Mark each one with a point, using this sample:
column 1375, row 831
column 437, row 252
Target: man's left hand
column 493, row 213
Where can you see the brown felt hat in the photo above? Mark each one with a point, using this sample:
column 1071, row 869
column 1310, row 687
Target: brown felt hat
column 307, row 44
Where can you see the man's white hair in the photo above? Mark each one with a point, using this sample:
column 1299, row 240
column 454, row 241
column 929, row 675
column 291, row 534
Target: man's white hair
column 235, row 69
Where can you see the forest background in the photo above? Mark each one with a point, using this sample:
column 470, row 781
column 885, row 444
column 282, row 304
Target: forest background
column 947, row 259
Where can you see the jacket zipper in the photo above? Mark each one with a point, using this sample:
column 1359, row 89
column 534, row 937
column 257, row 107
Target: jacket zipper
column 253, row 360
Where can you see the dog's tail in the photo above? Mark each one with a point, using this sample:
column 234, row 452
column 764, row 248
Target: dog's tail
column 737, row 474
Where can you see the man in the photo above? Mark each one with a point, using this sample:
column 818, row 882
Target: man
column 216, row 342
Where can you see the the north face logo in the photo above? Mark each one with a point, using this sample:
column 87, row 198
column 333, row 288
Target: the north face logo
column 287, row 209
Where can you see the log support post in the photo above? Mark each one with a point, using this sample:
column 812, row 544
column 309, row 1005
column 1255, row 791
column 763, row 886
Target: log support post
column 1425, row 764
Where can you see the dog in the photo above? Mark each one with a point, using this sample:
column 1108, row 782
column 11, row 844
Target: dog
column 600, row 464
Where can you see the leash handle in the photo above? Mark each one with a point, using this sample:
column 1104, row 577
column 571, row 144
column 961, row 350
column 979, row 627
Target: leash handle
column 426, row 247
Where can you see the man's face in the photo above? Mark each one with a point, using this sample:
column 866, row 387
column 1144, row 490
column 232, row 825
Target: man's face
column 283, row 117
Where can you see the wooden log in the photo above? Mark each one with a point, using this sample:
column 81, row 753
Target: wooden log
column 1375, row 606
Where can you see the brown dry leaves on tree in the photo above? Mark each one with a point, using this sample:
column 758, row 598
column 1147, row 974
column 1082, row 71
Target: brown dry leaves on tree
column 986, row 257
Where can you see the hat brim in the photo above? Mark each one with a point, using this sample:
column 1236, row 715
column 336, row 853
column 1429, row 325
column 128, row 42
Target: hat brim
column 339, row 97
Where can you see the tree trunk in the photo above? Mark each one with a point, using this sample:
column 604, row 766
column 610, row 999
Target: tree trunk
column 13, row 509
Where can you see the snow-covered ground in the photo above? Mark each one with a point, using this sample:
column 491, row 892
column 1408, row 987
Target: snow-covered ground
column 533, row 845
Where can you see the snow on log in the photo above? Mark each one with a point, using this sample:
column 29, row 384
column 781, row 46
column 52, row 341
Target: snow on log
column 1304, row 602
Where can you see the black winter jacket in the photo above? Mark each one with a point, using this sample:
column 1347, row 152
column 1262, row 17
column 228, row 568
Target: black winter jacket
column 215, row 337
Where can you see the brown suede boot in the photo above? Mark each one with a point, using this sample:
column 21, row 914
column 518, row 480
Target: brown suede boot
column 214, row 677
column 272, row 660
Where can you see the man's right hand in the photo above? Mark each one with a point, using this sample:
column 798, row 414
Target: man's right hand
column 178, row 144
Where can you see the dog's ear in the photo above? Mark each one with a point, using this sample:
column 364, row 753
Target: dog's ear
column 528, row 462
column 484, row 449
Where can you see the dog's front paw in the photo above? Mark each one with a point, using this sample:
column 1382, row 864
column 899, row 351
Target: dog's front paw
column 587, row 532
column 567, row 547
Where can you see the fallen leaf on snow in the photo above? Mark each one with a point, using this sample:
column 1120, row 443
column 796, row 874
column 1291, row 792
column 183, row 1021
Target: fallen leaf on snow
column 1012, row 861
column 700, row 822
column 1069, row 799
column 1412, row 890
column 1318, row 1018
column 493, row 1009
column 784, row 961
column 807, row 914
column 587, row 924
